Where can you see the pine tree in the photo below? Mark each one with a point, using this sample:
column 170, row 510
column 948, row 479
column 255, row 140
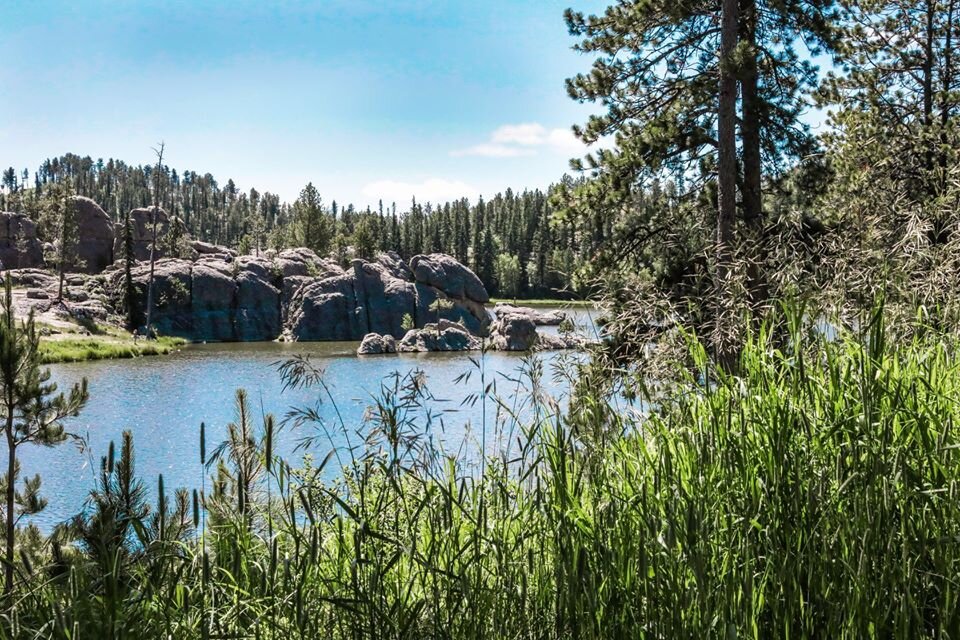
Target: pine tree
column 59, row 219
column 129, row 259
column 315, row 229
column 478, row 229
column 669, row 76
column 33, row 414
column 899, row 83
column 487, row 259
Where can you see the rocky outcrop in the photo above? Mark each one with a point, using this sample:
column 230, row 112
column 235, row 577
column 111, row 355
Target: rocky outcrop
column 384, row 297
column 207, row 249
column 296, row 295
column 19, row 246
column 442, row 336
column 553, row 317
column 326, row 309
column 141, row 222
column 443, row 272
column 303, row 262
column 374, row 344
column 95, row 237
column 557, row 341
column 513, row 332
column 395, row 265
column 212, row 294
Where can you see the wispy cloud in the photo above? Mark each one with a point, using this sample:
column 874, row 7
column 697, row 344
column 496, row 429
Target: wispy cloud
column 492, row 150
column 524, row 139
column 429, row 190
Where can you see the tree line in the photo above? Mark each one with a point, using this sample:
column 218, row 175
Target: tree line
column 514, row 241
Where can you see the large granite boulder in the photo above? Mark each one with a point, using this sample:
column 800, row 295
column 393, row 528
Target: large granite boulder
column 19, row 246
column 513, row 332
column 257, row 310
column 95, row 233
column 36, row 278
column 304, row 262
column 394, row 265
column 213, row 292
column 385, row 299
column 446, row 274
column 374, row 344
column 326, row 310
column 442, row 336
column 434, row 305
column 172, row 283
column 556, row 341
column 216, row 251
column 552, row 317
column 142, row 232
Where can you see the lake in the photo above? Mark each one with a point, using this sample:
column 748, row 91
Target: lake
column 163, row 400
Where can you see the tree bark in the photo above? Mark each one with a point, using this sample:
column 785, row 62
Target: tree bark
column 726, row 175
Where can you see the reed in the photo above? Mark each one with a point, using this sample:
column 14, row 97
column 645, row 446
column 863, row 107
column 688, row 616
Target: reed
column 813, row 494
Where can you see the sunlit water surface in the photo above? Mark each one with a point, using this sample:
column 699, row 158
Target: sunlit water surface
column 163, row 400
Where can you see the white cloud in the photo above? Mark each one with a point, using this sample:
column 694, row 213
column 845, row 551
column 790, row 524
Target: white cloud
column 429, row 190
column 528, row 134
column 564, row 140
column 492, row 150
column 524, row 139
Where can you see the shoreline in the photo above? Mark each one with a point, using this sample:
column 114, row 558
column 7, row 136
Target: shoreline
column 75, row 347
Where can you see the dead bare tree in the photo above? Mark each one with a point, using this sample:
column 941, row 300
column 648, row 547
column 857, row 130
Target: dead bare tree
column 153, row 238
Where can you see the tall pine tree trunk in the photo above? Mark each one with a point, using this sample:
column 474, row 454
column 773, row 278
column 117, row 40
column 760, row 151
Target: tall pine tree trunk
column 153, row 239
column 751, row 159
column 153, row 249
column 726, row 179
column 128, row 260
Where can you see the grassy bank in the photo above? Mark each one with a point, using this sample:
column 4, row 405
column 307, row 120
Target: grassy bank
column 813, row 495
column 78, row 348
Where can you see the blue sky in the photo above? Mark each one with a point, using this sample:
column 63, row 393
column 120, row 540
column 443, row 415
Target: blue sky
column 365, row 99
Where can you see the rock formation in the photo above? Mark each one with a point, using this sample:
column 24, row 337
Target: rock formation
column 141, row 221
column 374, row 343
column 513, row 332
column 19, row 246
column 95, row 234
column 539, row 317
column 300, row 296
column 440, row 336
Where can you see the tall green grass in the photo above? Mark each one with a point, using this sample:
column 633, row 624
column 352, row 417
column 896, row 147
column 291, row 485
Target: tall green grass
column 812, row 495
column 94, row 348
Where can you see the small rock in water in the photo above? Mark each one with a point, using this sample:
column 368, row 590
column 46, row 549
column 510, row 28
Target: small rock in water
column 445, row 336
column 513, row 332
column 553, row 317
column 374, row 343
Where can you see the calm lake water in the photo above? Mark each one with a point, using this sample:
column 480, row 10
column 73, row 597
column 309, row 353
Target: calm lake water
column 163, row 400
